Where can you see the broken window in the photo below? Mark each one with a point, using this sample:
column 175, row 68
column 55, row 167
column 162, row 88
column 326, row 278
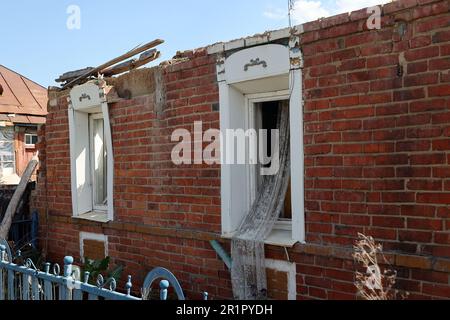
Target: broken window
column 261, row 208
column 91, row 154
column 266, row 114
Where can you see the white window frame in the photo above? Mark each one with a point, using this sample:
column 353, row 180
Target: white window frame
column 233, row 82
column 290, row 269
column 28, row 145
column 94, row 237
column 84, row 101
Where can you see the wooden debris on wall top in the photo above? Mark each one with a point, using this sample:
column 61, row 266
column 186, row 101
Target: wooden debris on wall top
column 115, row 66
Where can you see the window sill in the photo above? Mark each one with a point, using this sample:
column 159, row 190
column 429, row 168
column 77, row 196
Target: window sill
column 95, row 216
column 278, row 238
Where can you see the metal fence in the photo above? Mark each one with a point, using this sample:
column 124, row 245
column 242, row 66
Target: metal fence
column 26, row 282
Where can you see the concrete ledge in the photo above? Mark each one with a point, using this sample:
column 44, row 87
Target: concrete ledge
column 396, row 259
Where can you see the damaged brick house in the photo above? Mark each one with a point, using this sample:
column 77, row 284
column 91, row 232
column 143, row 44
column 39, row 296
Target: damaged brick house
column 369, row 114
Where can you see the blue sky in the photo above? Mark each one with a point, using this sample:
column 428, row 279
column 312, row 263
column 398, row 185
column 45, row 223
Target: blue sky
column 36, row 42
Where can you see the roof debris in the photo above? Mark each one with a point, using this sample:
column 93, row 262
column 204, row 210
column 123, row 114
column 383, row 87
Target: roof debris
column 113, row 67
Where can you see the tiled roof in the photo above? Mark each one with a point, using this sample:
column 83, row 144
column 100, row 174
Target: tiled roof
column 21, row 97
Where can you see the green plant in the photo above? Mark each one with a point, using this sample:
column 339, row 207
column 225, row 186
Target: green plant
column 97, row 267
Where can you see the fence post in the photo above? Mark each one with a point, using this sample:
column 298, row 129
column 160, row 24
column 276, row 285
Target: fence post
column 2, row 285
column 2, row 253
column 68, row 280
column 164, row 285
column 48, row 288
column 128, row 286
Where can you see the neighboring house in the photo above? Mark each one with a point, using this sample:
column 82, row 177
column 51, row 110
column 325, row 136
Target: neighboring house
column 370, row 151
column 23, row 107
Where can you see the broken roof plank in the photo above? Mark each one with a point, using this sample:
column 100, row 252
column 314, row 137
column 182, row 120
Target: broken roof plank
column 73, row 74
column 129, row 65
column 114, row 61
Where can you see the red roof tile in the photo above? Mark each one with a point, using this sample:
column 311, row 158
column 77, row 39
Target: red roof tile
column 22, row 97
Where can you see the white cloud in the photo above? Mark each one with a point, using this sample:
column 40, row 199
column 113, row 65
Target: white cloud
column 304, row 11
column 309, row 10
column 352, row 5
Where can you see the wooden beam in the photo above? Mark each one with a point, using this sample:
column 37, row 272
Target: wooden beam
column 114, row 61
column 15, row 200
column 130, row 65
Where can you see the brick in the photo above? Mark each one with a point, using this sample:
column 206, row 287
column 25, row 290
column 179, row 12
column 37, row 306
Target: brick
column 323, row 70
column 417, row 67
column 356, row 136
column 442, row 237
column 441, row 172
column 422, row 79
column 382, row 233
column 384, row 210
column 379, row 172
column 345, row 101
column 427, row 105
column 428, row 159
column 347, row 148
column 401, row 108
column 414, row 236
column 355, row 220
column 433, row 23
column 349, row 196
column 389, row 84
column 389, row 135
column 421, row 41
column 389, row 185
column 442, row 265
column 418, row 145
column 411, row 94
column 391, row 159
column 424, row 224
column 425, row 185
column 430, row 276
column 441, row 145
column 439, row 91
column 318, row 149
column 359, row 161
column 423, row 53
column 388, row 222
column 439, row 64
column 437, row 198
column 436, row 290
column 441, row 36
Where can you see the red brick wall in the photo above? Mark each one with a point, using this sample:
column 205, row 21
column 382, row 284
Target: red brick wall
column 377, row 161
column 154, row 200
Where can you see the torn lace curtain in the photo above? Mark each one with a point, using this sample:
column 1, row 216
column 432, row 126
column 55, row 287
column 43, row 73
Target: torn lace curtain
column 248, row 272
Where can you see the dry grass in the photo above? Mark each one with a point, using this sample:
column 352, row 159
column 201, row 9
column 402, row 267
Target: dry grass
column 375, row 284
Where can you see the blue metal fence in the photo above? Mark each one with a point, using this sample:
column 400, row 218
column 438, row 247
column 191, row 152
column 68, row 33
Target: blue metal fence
column 27, row 283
